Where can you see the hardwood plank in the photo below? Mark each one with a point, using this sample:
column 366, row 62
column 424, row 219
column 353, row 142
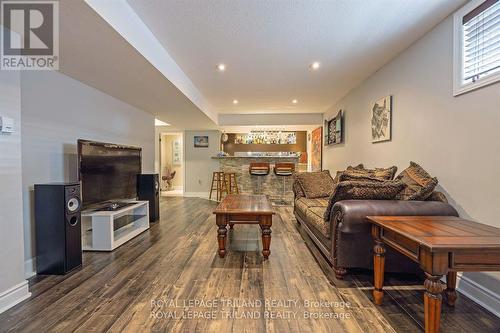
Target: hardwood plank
column 177, row 260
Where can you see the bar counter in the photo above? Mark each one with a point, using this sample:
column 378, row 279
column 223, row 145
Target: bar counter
column 271, row 184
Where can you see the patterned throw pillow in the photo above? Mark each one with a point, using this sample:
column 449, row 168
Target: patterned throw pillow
column 350, row 176
column 350, row 167
column 419, row 185
column 357, row 167
column 383, row 173
column 316, row 184
column 297, row 189
column 363, row 190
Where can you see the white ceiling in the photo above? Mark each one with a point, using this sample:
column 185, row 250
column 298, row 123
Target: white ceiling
column 92, row 52
column 268, row 45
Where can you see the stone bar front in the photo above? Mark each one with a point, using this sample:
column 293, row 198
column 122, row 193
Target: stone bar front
column 271, row 184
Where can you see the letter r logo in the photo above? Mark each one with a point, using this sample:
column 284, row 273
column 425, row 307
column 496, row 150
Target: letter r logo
column 34, row 22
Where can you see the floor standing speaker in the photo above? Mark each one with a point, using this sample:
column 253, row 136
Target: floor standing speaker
column 58, row 227
column 148, row 188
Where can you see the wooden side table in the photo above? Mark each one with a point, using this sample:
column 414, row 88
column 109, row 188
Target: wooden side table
column 244, row 209
column 442, row 245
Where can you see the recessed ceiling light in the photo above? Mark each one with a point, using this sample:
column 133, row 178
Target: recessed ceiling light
column 294, row 101
column 158, row 122
column 315, row 65
column 235, row 101
column 221, row 67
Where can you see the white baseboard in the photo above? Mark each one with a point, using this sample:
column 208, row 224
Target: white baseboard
column 30, row 268
column 479, row 294
column 203, row 195
column 14, row 295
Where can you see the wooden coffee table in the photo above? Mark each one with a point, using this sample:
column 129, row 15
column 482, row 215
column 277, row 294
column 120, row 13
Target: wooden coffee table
column 244, row 209
column 442, row 245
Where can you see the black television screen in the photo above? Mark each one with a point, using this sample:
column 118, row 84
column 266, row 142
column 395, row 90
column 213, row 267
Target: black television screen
column 108, row 172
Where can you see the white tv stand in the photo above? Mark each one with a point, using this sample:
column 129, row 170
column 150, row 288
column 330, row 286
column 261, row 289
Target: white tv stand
column 106, row 230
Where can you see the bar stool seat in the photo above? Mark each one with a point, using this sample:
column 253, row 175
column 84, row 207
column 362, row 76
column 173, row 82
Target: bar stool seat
column 259, row 169
column 284, row 170
column 218, row 185
column 231, row 183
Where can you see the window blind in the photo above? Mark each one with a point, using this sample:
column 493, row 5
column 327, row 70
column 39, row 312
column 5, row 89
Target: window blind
column 481, row 41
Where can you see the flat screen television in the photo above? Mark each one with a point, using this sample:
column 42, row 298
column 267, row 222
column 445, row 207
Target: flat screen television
column 107, row 171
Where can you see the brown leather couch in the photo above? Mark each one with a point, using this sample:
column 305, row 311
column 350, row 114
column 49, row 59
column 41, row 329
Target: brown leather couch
column 345, row 239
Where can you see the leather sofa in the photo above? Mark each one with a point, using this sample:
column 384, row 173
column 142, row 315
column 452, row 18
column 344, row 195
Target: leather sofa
column 345, row 238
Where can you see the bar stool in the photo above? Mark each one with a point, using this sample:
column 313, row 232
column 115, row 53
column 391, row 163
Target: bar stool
column 259, row 169
column 231, row 183
column 218, row 184
column 284, row 170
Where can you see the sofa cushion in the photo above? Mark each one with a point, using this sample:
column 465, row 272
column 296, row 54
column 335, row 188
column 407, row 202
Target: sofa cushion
column 419, row 185
column 363, row 190
column 314, row 216
column 303, row 204
column 316, row 184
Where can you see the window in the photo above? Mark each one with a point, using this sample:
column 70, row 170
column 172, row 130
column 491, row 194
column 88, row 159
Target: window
column 476, row 45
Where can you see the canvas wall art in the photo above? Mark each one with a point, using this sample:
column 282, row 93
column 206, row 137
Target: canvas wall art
column 201, row 141
column 176, row 152
column 382, row 120
column 316, row 148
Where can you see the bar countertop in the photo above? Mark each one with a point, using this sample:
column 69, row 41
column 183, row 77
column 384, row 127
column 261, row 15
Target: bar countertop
column 276, row 187
column 255, row 157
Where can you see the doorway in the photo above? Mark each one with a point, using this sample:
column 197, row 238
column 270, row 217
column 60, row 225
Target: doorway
column 172, row 164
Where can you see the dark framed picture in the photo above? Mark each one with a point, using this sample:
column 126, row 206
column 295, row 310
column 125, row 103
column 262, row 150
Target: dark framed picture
column 201, row 141
column 382, row 120
column 334, row 129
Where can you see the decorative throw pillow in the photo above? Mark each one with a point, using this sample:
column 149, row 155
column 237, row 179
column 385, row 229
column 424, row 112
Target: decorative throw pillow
column 297, row 190
column 363, row 190
column 383, row 173
column 349, row 175
column 350, row 167
column 316, row 184
column 357, row 167
column 419, row 185
column 437, row 196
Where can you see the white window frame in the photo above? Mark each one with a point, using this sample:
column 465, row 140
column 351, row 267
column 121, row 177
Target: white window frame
column 458, row 86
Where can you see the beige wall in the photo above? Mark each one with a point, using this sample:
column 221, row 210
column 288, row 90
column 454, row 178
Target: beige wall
column 57, row 111
column 13, row 286
column 166, row 157
column 199, row 164
column 456, row 139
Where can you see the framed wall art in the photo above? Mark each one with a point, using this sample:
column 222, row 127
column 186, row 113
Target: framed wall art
column 201, row 141
column 334, row 130
column 382, row 120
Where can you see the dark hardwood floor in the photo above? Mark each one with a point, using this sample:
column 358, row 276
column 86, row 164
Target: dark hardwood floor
column 139, row 286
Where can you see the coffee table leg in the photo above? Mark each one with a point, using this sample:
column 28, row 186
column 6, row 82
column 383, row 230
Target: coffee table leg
column 378, row 266
column 450, row 292
column 432, row 302
column 221, row 234
column 265, row 226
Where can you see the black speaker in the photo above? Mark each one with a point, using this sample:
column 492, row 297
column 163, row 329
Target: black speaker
column 148, row 188
column 58, row 227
